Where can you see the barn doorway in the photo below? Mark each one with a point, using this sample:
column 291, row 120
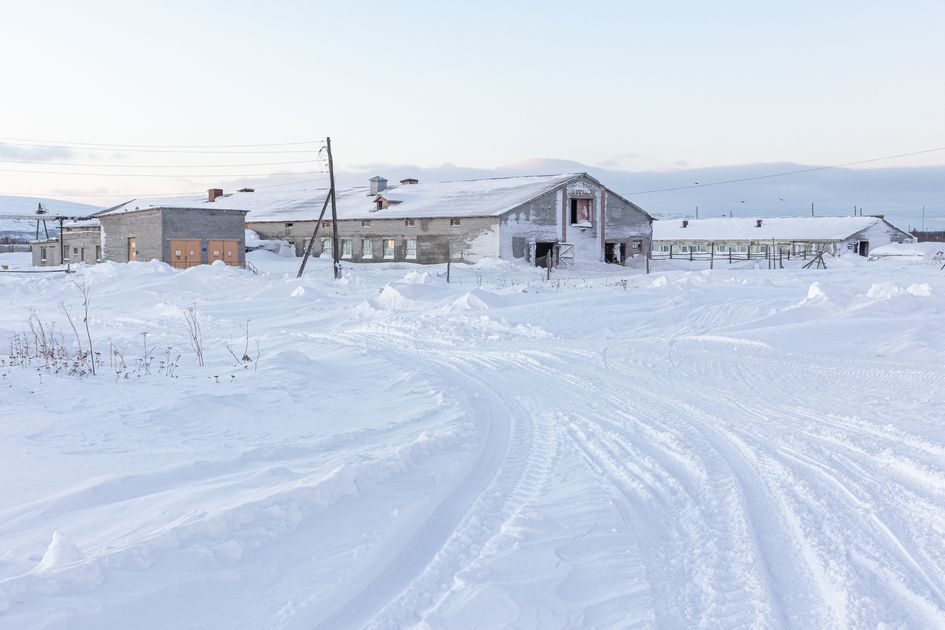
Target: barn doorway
column 615, row 253
column 863, row 248
column 544, row 251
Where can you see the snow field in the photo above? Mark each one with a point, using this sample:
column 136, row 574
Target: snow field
column 735, row 448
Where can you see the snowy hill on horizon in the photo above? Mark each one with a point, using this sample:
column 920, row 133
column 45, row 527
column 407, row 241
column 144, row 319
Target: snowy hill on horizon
column 11, row 205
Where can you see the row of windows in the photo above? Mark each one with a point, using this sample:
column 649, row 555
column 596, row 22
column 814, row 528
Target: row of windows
column 388, row 248
column 367, row 223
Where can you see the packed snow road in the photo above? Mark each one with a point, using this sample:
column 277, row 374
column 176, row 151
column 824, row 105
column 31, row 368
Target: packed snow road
column 686, row 449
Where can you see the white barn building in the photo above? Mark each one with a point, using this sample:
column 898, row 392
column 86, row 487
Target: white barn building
column 797, row 236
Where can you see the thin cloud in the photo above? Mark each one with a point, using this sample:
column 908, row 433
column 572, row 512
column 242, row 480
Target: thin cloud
column 35, row 154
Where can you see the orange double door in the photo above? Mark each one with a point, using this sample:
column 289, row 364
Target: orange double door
column 227, row 251
column 184, row 253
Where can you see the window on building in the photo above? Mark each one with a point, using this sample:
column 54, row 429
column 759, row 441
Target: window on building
column 366, row 223
column 288, row 228
column 326, row 247
column 367, row 248
column 581, row 211
column 346, row 248
column 42, row 254
column 389, row 248
column 380, row 204
column 454, row 221
column 98, row 253
column 326, row 224
column 409, row 222
column 411, row 249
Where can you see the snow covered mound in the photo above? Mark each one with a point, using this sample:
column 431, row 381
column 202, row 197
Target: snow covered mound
column 912, row 252
column 689, row 449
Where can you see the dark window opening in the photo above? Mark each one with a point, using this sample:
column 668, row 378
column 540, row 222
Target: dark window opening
column 581, row 211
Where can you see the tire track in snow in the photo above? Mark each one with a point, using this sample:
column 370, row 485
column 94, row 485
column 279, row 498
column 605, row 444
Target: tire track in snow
column 465, row 517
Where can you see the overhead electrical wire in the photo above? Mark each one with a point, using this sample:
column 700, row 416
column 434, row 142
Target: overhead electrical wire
column 168, row 175
column 84, row 164
column 784, row 173
column 157, row 194
column 143, row 150
column 63, row 143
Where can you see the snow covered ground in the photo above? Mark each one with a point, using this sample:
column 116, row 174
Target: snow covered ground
column 690, row 448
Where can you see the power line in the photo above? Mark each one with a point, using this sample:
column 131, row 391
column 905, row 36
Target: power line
column 42, row 143
column 85, row 164
column 785, row 173
column 143, row 150
column 168, row 175
column 155, row 194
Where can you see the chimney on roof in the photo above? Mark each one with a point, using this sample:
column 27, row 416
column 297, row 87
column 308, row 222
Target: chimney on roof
column 409, row 180
column 213, row 193
column 758, row 223
column 378, row 184
column 685, row 222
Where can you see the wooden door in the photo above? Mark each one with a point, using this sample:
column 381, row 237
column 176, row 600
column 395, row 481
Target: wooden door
column 184, row 253
column 231, row 253
column 227, row 251
column 214, row 251
column 132, row 249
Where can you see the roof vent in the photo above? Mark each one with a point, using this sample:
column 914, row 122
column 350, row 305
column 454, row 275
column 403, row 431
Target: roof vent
column 247, row 190
column 409, row 180
column 213, row 193
column 758, row 223
column 685, row 223
column 378, row 184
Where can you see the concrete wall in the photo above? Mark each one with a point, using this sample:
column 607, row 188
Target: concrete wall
column 626, row 223
column 204, row 224
column 146, row 226
column 438, row 240
column 80, row 246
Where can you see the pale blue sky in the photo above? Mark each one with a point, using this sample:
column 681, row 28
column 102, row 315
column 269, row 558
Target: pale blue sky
column 632, row 85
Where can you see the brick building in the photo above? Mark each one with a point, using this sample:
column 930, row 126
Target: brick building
column 180, row 236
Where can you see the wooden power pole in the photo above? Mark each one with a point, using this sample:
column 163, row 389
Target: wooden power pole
column 335, row 254
column 329, row 198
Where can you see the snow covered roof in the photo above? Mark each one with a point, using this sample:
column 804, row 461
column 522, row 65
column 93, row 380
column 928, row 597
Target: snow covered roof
column 470, row 198
column 777, row 228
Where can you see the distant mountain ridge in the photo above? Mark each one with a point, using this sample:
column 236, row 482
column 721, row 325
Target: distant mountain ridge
column 896, row 192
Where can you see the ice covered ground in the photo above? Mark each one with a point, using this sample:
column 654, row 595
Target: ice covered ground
column 735, row 448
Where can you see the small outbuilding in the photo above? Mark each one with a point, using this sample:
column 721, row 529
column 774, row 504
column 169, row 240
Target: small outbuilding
column 180, row 236
column 81, row 243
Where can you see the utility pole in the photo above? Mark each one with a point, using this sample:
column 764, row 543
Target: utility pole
column 811, row 208
column 923, row 218
column 335, row 254
column 697, row 212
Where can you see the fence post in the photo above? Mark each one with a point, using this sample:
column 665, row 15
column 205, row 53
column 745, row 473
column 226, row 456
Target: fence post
column 448, row 263
column 712, row 256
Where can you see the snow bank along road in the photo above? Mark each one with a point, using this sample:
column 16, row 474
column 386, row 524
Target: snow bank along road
column 686, row 449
